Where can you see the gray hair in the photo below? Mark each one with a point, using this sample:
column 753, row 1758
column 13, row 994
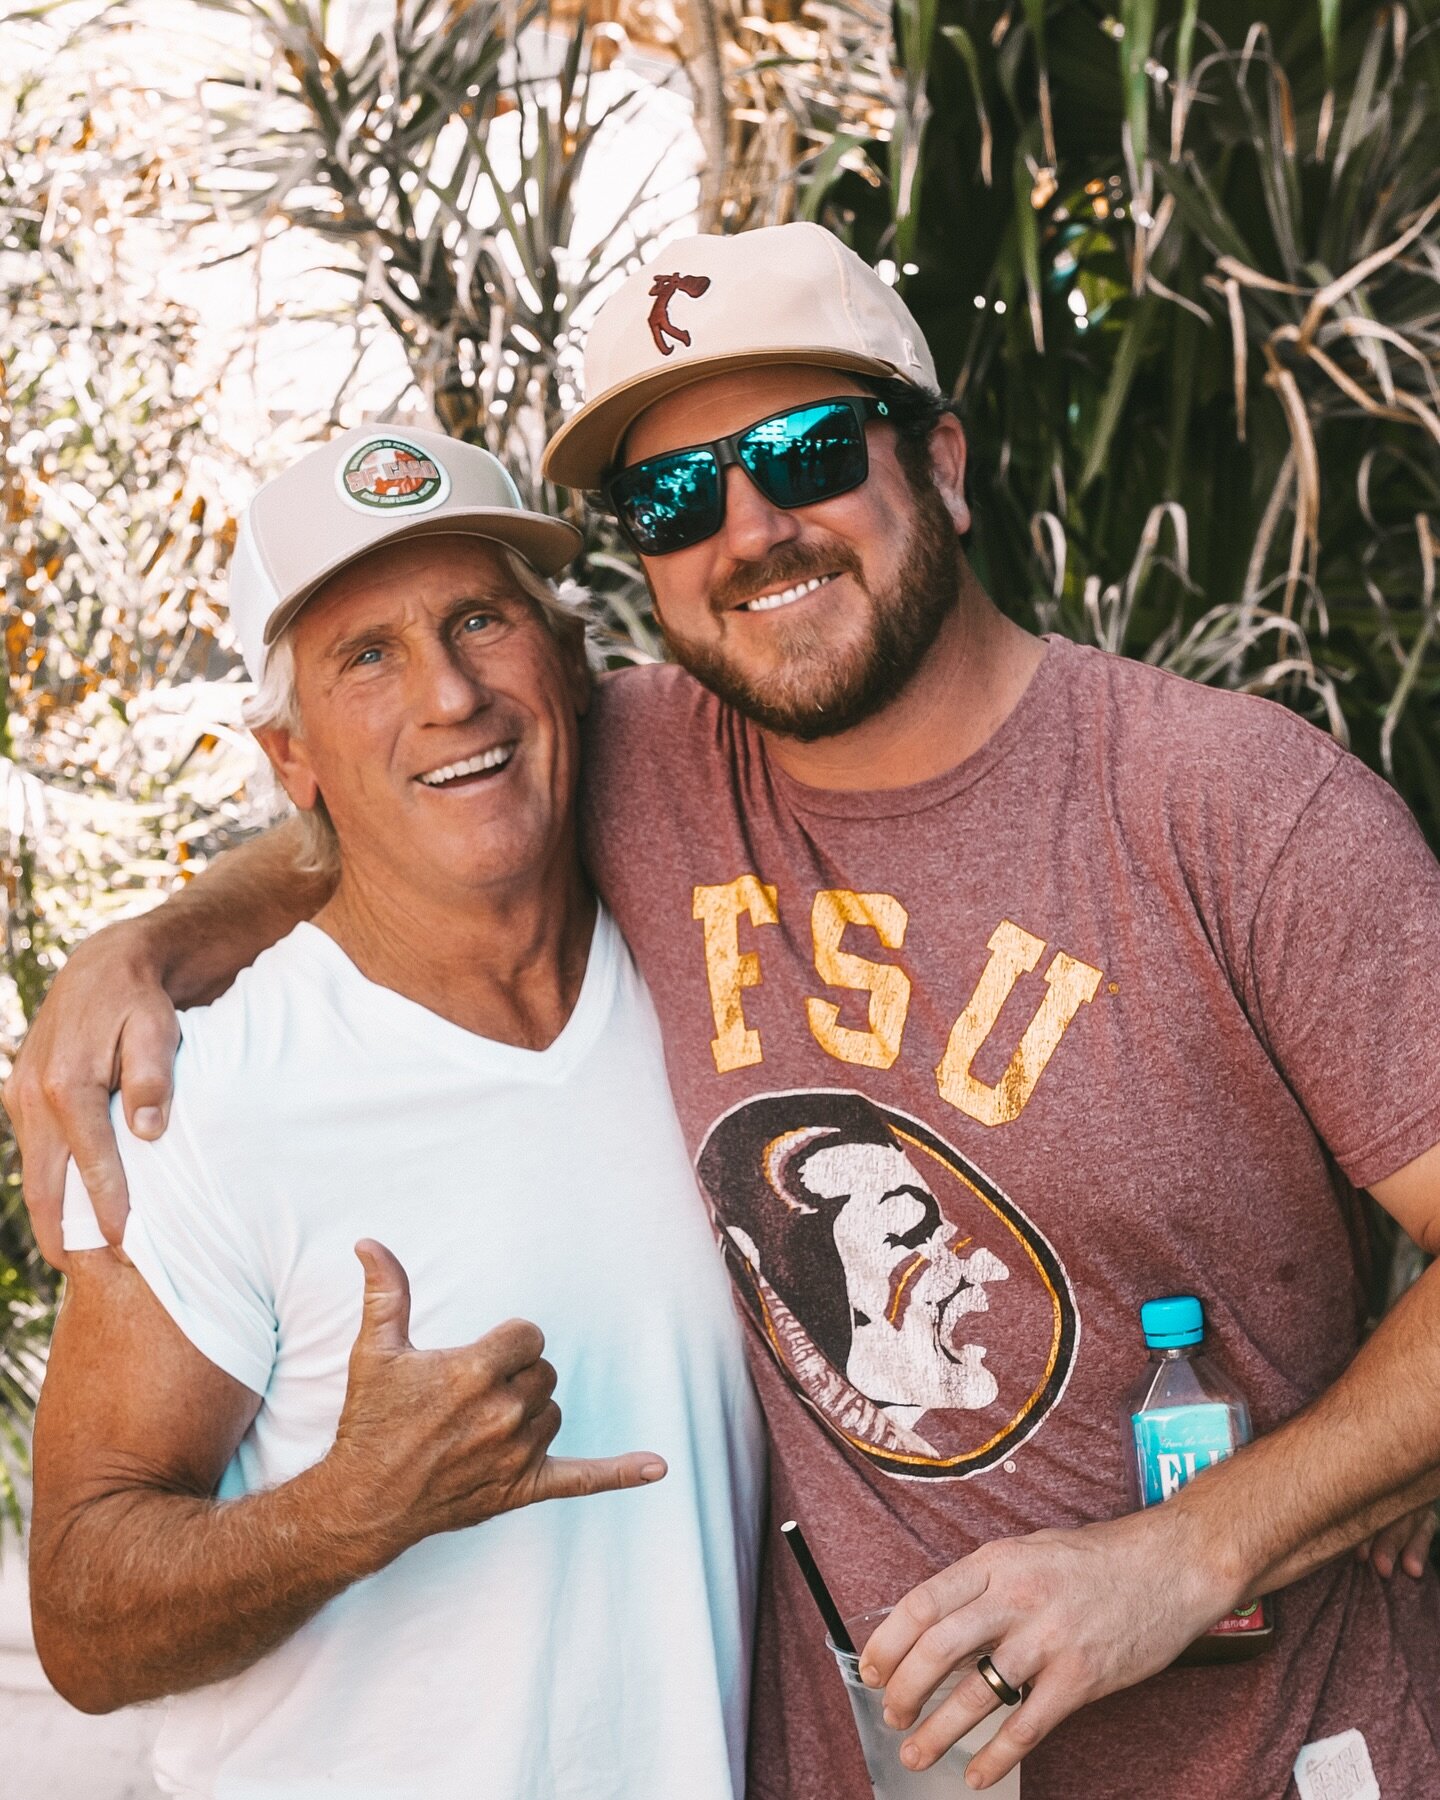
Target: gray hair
column 566, row 609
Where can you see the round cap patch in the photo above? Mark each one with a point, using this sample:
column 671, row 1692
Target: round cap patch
column 387, row 474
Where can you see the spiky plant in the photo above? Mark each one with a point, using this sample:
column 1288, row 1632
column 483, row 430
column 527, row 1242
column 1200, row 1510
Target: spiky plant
column 1182, row 267
column 112, row 530
column 440, row 155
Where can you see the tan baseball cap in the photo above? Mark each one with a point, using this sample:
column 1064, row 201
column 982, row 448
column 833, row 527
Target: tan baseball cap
column 372, row 485
column 780, row 294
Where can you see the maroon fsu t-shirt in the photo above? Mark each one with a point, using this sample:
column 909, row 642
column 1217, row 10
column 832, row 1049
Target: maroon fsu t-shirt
column 1127, row 1004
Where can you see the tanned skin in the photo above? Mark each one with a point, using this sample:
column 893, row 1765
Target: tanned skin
column 58, row 1093
column 1077, row 1614
column 142, row 1582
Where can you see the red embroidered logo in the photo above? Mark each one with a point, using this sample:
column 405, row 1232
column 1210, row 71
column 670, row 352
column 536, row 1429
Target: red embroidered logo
column 664, row 291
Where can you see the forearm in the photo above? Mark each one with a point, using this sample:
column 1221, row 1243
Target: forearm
column 139, row 1593
column 1364, row 1452
column 248, row 899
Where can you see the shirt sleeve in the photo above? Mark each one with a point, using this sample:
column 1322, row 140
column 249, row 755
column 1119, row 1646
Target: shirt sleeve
column 189, row 1247
column 1344, row 973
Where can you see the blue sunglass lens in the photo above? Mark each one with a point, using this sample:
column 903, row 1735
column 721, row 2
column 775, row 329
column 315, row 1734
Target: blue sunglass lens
column 806, row 455
column 670, row 502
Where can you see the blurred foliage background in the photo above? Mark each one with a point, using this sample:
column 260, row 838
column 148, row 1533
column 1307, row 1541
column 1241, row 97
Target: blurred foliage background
column 1179, row 263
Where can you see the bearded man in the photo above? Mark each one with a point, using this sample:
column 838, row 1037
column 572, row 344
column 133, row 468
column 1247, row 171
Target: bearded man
column 1151, row 971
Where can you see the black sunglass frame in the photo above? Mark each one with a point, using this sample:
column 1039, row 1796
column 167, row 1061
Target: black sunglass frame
column 726, row 452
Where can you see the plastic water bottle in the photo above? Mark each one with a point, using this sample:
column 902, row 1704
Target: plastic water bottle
column 1186, row 1417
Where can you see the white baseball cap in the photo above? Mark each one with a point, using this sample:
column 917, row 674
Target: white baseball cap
column 372, row 485
column 779, row 294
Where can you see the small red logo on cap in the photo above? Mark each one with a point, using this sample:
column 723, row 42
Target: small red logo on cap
column 664, row 291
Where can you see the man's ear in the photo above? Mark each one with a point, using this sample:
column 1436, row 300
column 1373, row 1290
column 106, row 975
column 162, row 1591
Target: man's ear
column 948, row 455
column 291, row 763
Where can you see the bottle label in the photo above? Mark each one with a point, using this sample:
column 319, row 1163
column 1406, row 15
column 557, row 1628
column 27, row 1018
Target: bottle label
column 1176, row 1443
column 1173, row 1444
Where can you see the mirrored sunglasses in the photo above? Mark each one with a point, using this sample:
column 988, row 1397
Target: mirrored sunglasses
column 795, row 458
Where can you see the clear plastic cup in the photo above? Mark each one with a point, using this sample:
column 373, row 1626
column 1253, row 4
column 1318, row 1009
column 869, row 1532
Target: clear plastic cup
column 891, row 1780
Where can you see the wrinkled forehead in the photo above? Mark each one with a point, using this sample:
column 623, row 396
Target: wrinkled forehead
column 728, row 402
column 415, row 568
column 413, row 579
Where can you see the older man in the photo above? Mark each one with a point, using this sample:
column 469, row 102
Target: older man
column 318, row 1525
column 1140, row 974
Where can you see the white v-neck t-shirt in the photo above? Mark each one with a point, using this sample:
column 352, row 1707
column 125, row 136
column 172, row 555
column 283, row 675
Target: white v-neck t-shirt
column 586, row 1649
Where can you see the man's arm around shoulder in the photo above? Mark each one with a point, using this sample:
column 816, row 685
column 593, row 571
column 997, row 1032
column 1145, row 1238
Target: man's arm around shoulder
column 109, row 1021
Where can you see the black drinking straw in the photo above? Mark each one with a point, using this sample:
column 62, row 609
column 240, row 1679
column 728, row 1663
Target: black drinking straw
column 815, row 1581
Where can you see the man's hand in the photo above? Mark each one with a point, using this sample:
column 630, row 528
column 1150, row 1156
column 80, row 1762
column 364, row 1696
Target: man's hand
column 143, row 1583
column 1403, row 1545
column 442, row 1439
column 106, row 1023
column 1073, row 1614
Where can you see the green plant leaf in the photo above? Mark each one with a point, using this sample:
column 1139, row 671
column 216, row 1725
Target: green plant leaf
column 1126, row 365
column 1137, row 19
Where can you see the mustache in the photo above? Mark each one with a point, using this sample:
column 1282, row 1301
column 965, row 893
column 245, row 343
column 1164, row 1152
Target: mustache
column 789, row 564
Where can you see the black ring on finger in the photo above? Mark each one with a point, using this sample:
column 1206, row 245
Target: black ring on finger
column 996, row 1682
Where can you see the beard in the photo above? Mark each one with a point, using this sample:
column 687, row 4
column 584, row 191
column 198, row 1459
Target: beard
column 825, row 690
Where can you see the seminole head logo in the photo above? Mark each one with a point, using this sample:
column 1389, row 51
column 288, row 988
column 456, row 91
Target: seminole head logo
column 385, row 473
column 664, row 290
column 913, row 1305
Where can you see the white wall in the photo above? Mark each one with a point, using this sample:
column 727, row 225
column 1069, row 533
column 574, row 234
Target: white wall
column 48, row 1751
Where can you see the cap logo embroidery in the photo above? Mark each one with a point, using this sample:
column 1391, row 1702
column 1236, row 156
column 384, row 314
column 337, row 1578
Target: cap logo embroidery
column 662, row 293
column 386, row 473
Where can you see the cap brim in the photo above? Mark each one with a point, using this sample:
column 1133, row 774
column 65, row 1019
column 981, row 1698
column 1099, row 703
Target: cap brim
column 547, row 544
column 583, row 450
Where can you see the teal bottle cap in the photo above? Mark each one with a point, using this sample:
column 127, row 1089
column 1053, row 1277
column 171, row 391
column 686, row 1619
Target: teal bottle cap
column 1171, row 1323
